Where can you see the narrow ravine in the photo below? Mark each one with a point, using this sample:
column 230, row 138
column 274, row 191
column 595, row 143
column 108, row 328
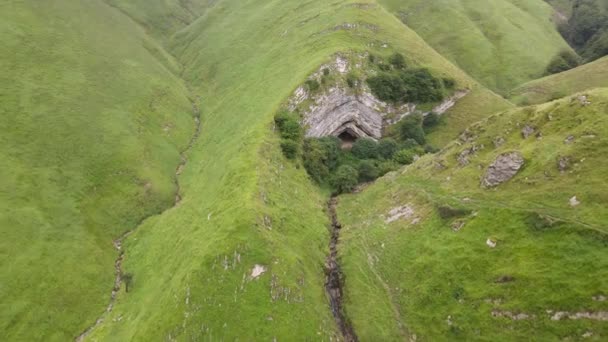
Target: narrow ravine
column 334, row 281
column 118, row 243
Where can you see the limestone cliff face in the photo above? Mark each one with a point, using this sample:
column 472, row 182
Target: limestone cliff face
column 337, row 112
column 359, row 113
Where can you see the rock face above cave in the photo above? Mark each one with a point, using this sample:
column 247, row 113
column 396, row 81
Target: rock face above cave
column 338, row 112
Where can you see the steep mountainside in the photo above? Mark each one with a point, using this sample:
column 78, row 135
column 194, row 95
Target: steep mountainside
column 433, row 246
column 502, row 43
column 144, row 194
column 93, row 120
column 244, row 207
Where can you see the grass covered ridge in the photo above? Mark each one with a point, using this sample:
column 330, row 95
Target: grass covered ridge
column 587, row 76
column 490, row 40
column 424, row 270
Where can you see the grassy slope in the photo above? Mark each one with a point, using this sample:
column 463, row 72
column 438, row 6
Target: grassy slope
column 587, row 76
column 427, row 274
column 92, row 123
column 501, row 43
column 243, row 204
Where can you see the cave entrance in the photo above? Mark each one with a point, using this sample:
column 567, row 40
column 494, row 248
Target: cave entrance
column 348, row 139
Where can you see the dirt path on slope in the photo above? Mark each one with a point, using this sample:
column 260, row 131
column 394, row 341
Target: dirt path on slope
column 120, row 276
column 334, row 281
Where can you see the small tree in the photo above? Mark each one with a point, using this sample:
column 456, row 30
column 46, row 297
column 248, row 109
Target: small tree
column 365, row 148
column 411, row 128
column 313, row 85
column 387, row 148
column 430, row 120
column 345, row 179
column 404, row 157
column 398, row 61
column 367, row 171
column 290, row 148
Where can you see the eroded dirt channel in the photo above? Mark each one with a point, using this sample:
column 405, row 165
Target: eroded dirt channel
column 334, row 282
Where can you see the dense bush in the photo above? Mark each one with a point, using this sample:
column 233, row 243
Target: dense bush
column 313, row 85
column 365, row 148
column 387, row 148
column 565, row 60
column 345, row 179
column 447, row 212
column 291, row 133
column 397, row 61
column 388, row 87
column 430, row 120
column 586, row 27
column 352, row 80
column 415, row 85
column 411, row 128
column 320, row 157
column 290, row 148
column 404, row 157
column 387, row 166
column 367, row 171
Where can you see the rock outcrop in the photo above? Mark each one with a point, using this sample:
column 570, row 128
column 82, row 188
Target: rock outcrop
column 503, row 169
column 338, row 112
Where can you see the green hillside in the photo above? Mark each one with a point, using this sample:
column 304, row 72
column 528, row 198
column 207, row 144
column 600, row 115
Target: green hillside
column 144, row 195
column 433, row 267
column 93, row 120
column 240, row 197
column 501, row 43
column 587, row 76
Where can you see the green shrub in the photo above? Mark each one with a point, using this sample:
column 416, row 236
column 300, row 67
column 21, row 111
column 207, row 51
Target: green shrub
column 325, row 71
column 449, row 83
column 411, row 128
column 291, row 130
column 345, row 179
column 565, row 60
column 320, row 157
column 367, row 171
column 404, row 157
column 387, row 148
column 409, row 144
column 447, row 212
column 430, row 149
column 397, row 60
column 352, row 80
column 422, row 86
column 430, row 120
column 313, row 85
column 280, row 119
column 365, row 148
column 417, row 85
column 290, row 148
column 313, row 158
column 387, row 166
column 387, row 87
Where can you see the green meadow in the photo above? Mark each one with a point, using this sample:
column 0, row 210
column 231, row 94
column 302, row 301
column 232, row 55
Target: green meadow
column 100, row 102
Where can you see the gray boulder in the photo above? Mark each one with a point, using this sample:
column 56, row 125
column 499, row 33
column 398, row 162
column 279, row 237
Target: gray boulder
column 503, row 169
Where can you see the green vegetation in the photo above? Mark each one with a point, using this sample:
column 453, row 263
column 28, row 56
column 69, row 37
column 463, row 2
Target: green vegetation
column 100, row 101
column 565, row 60
column 587, row 28
column 93, row 120
column 397, row 84
column 586, row 76
column 501, row 43
column 434, row 267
